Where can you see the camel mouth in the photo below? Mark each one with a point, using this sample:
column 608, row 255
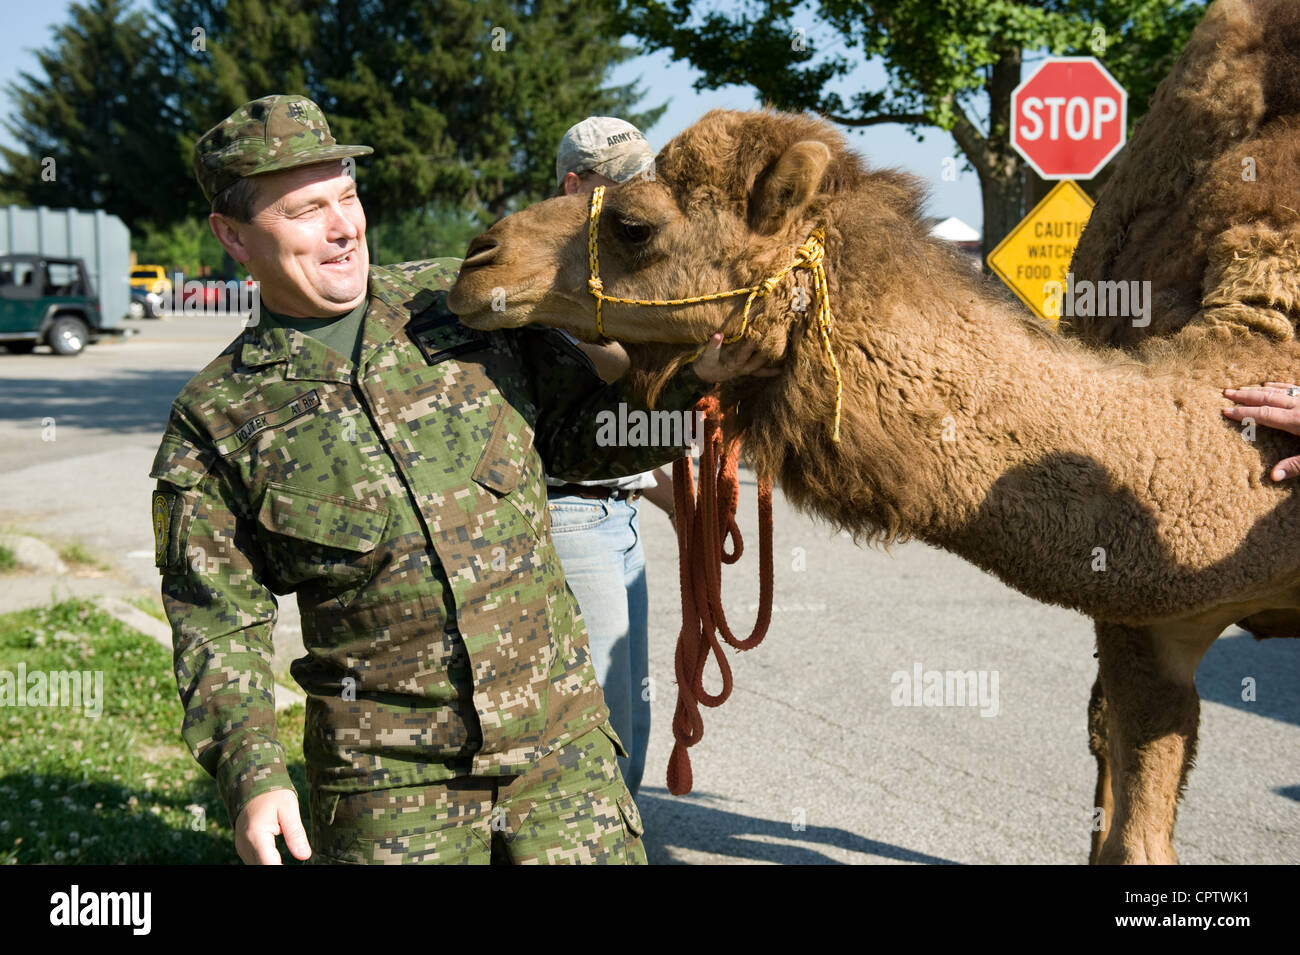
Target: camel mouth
column 486, row 306
column 486, row 320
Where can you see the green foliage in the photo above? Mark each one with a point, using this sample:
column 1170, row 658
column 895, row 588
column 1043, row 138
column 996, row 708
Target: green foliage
column 150, row 605
column 428, row 233
column 951, row 64
column 7, row 559
column 101, row 110
column 120, row 787
column 187, row 246
column 79, row 555
column 464, row 101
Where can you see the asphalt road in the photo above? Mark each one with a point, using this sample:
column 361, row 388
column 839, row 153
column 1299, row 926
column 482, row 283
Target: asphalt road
column 810, row 760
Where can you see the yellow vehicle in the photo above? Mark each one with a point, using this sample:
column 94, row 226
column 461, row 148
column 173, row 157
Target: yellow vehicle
column 151, row 278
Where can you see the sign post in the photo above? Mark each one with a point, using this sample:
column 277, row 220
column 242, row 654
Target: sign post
column 1068, row 119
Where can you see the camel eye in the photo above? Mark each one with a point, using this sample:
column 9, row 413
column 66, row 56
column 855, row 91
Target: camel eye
column 633, row 232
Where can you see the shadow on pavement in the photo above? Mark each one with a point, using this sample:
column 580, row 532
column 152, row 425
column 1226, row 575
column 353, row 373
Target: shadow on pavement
column 1274, row 665
column 128, row 400
column 682, row 822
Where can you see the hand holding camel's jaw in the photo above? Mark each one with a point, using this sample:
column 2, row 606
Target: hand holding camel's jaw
column 723, row 362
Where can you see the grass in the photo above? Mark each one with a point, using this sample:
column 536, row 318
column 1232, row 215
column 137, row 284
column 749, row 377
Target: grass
column 76, row 554
column 118, row 788
column 150, row 605
column 7, row 560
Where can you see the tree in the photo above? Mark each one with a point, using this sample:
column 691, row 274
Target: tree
column 187, row 246
column 97, row 130
column 951, row 64
column 464, row 101
column 430, row 232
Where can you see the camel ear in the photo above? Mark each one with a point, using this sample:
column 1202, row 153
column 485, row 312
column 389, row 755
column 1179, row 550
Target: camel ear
column 787, row 186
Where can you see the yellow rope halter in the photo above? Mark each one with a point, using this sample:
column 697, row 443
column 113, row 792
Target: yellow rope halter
column 811, row 256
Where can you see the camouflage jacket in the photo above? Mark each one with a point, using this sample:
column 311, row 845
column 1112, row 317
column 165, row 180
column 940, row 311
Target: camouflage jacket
column 407, row 509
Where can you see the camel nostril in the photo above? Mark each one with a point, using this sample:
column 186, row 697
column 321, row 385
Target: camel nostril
column 480, row 252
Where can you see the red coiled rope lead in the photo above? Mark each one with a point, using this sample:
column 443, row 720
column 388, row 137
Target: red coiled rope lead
column 701, row 533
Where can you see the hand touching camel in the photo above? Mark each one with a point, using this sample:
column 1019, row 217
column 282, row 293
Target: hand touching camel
column 717, row 363
column 1276, row 404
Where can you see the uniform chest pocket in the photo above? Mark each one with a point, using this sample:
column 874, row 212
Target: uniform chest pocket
column 317, row 538
column 510, row 467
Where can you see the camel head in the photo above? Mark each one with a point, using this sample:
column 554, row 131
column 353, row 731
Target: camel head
column 731, row 201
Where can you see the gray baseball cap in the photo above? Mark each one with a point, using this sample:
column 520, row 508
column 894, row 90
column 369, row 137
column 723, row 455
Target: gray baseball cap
column 611, row 147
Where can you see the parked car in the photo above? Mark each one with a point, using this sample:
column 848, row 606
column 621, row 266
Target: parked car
column 145, row 304
column 47, row 301
column 217, row 293
column 208, row 296
column 151, row 278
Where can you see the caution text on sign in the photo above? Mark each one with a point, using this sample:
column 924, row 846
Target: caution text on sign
column 1034, row 260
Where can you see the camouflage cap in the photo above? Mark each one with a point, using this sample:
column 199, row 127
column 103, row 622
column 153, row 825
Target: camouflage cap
column 266, row 135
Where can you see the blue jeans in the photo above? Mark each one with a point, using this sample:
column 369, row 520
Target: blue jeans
column 599, row 544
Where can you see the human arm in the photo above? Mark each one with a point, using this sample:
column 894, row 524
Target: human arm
column 222, row 615
column 661, row 494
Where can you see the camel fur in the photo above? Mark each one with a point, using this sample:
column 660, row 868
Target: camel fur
column 1204, row 202
column 1080, row 476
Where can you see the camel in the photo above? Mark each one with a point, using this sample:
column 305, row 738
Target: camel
column 1204, row 202
column 1080, row 476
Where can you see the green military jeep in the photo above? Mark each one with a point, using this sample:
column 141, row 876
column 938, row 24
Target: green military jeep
column 46, row 300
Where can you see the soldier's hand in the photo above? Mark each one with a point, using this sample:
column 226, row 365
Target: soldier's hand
column 271, row 814
column 739, row 359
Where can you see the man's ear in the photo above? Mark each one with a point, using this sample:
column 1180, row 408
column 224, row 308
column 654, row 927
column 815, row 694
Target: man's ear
column 783, row 190
column 228, row 235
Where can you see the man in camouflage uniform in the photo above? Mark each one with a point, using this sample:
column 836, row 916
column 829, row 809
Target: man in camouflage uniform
column 359, row 447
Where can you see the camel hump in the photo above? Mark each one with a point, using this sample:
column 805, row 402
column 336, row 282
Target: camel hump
column 1201, row 207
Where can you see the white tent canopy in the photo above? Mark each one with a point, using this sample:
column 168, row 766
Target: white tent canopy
column 954, row 230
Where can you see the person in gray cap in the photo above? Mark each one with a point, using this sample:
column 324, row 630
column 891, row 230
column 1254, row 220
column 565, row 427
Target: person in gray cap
column 595, row 524
column 361, row 449
column 610, row 148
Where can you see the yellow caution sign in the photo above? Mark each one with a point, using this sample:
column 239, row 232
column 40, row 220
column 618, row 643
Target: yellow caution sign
column 1035, row 258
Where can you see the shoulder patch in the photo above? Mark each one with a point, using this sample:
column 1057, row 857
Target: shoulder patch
column 166, row 522
column 439, row 335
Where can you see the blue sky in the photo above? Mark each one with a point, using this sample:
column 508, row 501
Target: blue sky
column 27, row 26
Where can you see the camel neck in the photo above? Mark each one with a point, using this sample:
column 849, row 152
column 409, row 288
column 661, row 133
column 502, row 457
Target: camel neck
column 1064, row 471
column 934, row 423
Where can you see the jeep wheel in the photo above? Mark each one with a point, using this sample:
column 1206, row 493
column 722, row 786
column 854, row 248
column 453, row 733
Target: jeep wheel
column 135, row 309
column 67, row 336
column 20, row 348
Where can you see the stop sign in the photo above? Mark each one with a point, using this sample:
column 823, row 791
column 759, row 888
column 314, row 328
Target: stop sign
column 1068, row 118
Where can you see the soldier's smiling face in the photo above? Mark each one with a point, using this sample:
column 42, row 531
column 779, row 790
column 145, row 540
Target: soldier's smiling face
column 306, row 241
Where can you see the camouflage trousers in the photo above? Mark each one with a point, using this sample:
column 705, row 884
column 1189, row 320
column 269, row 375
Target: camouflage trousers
column 572, row 807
